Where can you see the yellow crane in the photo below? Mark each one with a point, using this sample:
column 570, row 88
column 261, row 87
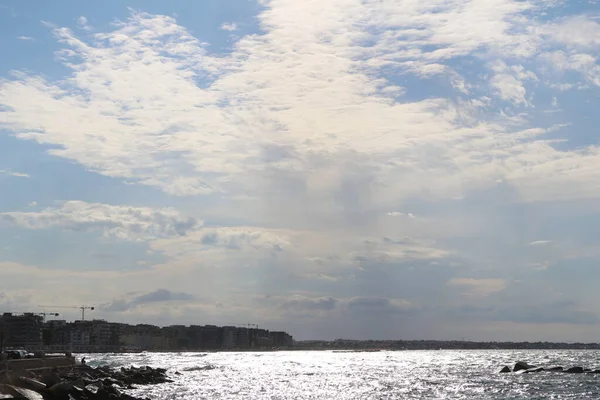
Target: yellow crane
column 82, row 308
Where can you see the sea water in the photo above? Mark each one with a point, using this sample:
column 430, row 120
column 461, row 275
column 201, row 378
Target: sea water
column 433, row 374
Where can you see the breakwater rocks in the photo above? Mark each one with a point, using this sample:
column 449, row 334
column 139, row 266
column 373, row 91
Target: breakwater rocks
column 78, row 383
column 521, row 367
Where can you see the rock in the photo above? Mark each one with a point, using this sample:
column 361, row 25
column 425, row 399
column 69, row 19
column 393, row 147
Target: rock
column 534, row 369
column 22, row 393
column 520, row 365
column 574, row 370
column 50, row 378
column 61, row 389
column 596, row 371
column 81, row 383
column 93, row 389
column 32, row 383
column 505, row 369
column 554, row 369
column 521, row 371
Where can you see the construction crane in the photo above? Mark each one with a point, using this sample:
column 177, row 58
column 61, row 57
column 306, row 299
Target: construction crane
column 43, row 314
column 82, row 308
column 246, row 325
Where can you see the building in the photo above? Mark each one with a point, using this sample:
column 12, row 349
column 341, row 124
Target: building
column 195, row 336
column 282, row 339
column 145, row 341
column 229, row 337
column 260, row 338
column 29, row 331
column 144, row 337
column 22, row 331
column 212, row 337
column 80, row 334
column 242, row 338
column 178, row 336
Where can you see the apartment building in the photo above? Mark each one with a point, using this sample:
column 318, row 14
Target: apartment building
column 22, row 331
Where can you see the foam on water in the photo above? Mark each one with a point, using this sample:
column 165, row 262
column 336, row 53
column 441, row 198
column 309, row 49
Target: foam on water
column 379, row 375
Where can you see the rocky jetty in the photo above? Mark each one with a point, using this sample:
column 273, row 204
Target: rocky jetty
column 521, row 367
column 78, row 383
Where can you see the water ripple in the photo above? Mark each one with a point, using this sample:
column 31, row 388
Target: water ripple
column 379, row 375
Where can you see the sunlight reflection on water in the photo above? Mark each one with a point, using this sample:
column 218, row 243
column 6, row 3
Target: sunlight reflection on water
column 379, row 375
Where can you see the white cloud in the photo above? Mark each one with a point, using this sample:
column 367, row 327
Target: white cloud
column 29, row 38
column 82, row 23
column 578, row 31
column 540, row 243
column 133, row 223
column 190, row 140
column 399, row 214
column 509, row 82
column 229, row 26
column 6, row 172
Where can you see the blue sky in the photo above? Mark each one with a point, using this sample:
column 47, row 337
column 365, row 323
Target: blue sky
column 373, row 169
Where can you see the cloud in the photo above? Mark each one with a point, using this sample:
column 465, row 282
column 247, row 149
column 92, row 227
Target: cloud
column 579, row 31
column 478, row 287
column 230, row 27
column 299, row 144
column 371, row 305
column 123, row 222
column 561, row 312
column 158, row 296
column 248, row 102
column 539, row 243
column 399, row 214
column 300, row 303
column 13, row 174
column 307, row 306
column 28, row 38
column 82, row 23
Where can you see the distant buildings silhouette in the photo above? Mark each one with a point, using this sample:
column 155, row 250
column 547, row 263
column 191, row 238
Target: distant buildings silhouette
column 29, row 331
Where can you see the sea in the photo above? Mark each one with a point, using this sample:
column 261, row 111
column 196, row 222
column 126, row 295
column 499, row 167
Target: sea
column 427, row 374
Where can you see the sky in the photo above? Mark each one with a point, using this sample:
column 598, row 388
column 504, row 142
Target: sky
column 360, row 169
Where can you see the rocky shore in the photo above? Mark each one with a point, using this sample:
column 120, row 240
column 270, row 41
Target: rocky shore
column 78, row 383
column 522, row 367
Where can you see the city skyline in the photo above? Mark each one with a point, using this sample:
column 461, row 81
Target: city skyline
column 30, row 332
column 340, row 168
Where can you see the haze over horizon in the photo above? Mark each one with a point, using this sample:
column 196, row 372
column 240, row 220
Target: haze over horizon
column 369, row 169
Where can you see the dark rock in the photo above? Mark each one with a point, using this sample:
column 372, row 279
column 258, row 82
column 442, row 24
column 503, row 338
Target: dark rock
column 554, row 369
column 596, row 371
column 81, row 383
column 61, row 389
column 505, row 369
column 574, row 370
column 50, row 378
column 520, row 365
